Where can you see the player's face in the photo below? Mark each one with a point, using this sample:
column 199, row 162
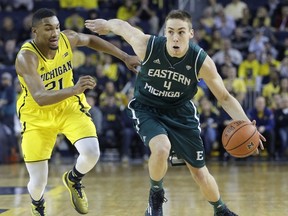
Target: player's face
column 178, row 33
column 47, row 32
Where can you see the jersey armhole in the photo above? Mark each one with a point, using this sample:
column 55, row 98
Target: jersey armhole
column 150, row 44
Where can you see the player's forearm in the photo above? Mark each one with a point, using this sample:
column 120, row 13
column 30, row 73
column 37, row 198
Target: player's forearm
column 48, row 97
column 234, row 109
column 121, row 28
column 101, row 45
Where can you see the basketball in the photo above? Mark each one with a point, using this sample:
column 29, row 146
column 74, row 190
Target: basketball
column 240, row 138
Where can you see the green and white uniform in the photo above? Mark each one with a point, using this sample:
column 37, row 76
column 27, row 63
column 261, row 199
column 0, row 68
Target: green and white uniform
column 162, row 105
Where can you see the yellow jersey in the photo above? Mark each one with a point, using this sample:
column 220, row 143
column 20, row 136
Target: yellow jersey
column 55, row 73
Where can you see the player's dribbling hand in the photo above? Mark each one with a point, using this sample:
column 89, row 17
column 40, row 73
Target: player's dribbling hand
column 261, row 140
column 98, row 26
column 84, row 82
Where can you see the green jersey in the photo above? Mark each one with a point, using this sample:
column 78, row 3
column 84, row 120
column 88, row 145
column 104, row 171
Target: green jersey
column 166, row 82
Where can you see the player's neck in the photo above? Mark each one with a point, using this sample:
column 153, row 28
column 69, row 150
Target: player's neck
column 45, row 50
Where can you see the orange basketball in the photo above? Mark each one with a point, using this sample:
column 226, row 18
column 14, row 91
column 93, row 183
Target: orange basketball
column 240, row 138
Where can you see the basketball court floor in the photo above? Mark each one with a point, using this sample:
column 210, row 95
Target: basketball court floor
column 113, row 189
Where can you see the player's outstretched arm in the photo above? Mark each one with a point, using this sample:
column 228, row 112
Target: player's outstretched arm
column 136, row 38
column 98, row 44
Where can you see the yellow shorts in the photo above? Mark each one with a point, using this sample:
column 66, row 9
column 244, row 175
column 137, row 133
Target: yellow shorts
column 40, row 127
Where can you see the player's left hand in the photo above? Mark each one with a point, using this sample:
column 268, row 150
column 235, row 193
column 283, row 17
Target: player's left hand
column 98, row 26
column 132, row 62
column 261, row 140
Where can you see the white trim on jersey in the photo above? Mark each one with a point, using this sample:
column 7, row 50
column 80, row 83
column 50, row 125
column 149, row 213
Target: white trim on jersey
column 134, row 115
column 150, row 51
column 195, row 115
column 196, row 64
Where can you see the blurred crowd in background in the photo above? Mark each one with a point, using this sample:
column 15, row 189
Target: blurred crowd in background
column 249, row 46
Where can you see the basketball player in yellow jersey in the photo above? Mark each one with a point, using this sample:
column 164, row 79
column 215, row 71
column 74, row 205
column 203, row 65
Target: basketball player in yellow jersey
column 50, row 104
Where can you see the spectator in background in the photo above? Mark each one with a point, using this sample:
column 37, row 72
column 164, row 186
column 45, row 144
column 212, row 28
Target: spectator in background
column 95, row 112
column 271, row 6
column 283, row 87
column 209, row 124
column 284, row 67
column 265, row 123
column 272, row 87
column 78, row 58
column 261, row 18
column 127, row 10
column 214, row 7
column 147, row 14
column 280, row 22
column 8, row 30
column 101, row 80
column 5, row 144
column 281, row 127
column 246, row 22
column 25, row 30
column 215, row 42
column 88, row 68
column 248, row 71
column 226, row 49
column 207, row 21
column 26, row 5
column 8, row 111
column 111, row 124
column 225, row 24
column 282, row 47
column 115, row 71
column 7, row 100
column 236, row 86
column 71, row 4
column 257, row 44
column 129, row 136
column 235, row 9
column 120, row 99
column 269, row 64
column 9, row 53
column 223, row 69
column 74, row 22
column 240, row 41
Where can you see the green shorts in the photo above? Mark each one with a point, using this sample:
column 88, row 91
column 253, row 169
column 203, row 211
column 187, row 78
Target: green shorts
column 181, row 125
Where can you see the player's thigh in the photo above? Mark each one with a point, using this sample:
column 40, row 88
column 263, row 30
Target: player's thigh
column 147, row 127
column 188, row 145
column 78, row 125
column 37, row 144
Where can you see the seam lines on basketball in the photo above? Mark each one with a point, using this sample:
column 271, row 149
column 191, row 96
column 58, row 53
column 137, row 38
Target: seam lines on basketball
column 243, row 142
column 234, row 133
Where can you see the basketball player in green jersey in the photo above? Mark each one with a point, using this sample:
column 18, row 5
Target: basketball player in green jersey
column 162, row 110
column 50, row 103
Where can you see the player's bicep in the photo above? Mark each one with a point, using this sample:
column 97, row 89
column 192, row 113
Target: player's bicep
column 213, row 80
column 138, row 40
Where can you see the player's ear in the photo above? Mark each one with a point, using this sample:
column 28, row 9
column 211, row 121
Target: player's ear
column 33, row 30
column 191, row 33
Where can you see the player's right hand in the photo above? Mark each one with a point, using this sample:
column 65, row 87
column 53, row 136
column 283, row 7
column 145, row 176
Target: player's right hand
column 98, row 26
column 261, row 140
column 84, row 82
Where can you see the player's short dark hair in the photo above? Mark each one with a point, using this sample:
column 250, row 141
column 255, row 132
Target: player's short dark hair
column 180, row 14
column 40, row 14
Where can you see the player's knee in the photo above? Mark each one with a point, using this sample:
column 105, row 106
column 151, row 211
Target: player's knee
column 92, row 155
column 161, row 150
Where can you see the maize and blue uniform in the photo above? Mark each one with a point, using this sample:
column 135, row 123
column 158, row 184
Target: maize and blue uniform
column 42, row 124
